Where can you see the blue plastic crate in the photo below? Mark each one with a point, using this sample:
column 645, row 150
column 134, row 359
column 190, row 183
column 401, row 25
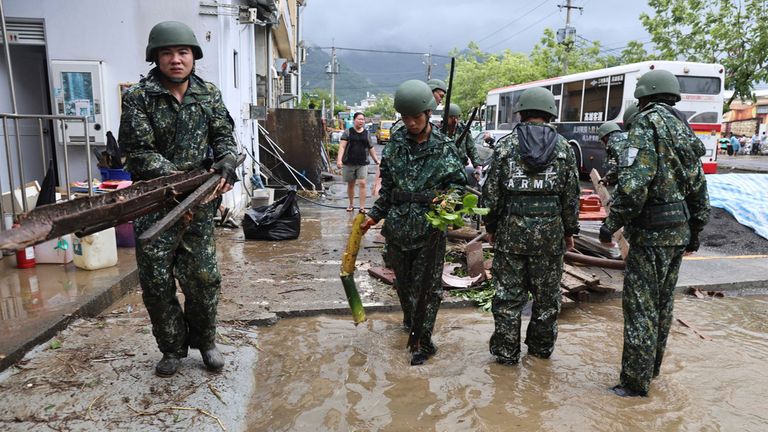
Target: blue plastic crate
column 114, row 174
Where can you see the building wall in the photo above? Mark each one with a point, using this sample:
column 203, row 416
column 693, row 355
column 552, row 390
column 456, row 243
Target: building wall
column 115, row 32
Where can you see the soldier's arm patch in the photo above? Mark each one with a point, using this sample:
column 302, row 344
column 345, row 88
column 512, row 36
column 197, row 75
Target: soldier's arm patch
column 628, row 156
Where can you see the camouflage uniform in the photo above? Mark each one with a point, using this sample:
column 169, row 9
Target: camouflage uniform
column 160, row 136
column 424, row 169
column 617, row 142
column 532, row 210
column 466, row 148
column 661, row 200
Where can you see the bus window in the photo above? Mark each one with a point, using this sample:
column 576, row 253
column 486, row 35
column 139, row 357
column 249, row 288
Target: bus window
column 507, row 107
column 595, row 94
column 557, row 89
column 490, row 117
column 615, row 96
column 699, row 85
column 572, row 101
column 705, row 117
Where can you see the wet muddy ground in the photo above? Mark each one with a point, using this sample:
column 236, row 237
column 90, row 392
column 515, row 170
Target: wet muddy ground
column 322, row 373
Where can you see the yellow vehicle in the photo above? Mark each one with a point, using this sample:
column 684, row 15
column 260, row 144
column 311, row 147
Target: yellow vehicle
column 382, row 135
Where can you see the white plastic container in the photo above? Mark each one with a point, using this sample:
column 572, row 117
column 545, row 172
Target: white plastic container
column 262, row 197
column 96, row 251
column 55, row 251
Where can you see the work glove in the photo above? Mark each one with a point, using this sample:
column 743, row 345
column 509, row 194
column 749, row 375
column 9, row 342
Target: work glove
column 605, row 236
column 226, row 166
column 693, row 244
column 367, row 224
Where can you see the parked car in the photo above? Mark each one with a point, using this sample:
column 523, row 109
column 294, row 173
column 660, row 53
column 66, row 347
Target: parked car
column 382, row 135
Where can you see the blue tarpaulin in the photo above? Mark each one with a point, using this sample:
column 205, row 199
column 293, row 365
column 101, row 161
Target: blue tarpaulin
column 745, row 196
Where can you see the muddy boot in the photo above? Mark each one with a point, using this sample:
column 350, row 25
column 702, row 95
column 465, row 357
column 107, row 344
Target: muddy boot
column 506, row 361
column 626, row 392
column 213, row 359
column 423, row 354
column 168, row 365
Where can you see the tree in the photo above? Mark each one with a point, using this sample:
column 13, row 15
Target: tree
column 477, row 72
column 583, row 55
column 384, row 107
column 734, row 34
column 316, row 97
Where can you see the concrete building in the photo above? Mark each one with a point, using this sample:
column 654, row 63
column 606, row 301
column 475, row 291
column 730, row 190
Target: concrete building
column 74, row 57
column 748, row 117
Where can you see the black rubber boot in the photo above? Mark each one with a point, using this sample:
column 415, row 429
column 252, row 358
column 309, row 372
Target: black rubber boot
column 506, row 361
column 423, row 354
column 168, row 365
column 213, row 359
column 626, row 392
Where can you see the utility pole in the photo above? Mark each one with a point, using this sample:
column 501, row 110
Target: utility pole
column 565, row 35
column 332, row 69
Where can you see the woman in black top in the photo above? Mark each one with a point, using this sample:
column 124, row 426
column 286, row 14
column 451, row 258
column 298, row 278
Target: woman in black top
column 354, row 149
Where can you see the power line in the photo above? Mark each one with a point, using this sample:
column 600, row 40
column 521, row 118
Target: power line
column 513, row 21
column 521, row 31
column 383, row 51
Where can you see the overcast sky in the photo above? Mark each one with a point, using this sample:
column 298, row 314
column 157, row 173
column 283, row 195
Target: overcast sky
column 442, row 25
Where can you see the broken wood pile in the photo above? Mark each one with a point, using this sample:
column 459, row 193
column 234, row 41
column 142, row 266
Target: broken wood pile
column 576, row 283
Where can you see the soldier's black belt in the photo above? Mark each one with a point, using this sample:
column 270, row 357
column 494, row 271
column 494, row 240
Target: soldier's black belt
column 665, row 215
column 412, row 197
column 534, row 205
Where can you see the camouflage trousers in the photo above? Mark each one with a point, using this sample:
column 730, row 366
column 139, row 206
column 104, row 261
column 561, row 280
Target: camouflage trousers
column 185, row 252
column 647, row 302
column 409, row 266
column 514, row 277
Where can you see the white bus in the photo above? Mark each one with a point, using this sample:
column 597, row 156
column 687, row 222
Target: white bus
column 586, row 100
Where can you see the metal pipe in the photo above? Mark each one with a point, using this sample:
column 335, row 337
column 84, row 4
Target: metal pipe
column 87, row 154
column 22, row 178
column 42, row 144
column 10, row 164
column 8, row 58
column 66, row 157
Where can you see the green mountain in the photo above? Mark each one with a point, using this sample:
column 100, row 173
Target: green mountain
column 361, row 72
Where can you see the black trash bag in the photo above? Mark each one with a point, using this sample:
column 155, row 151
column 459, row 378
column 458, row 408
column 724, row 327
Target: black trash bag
column 280, row 220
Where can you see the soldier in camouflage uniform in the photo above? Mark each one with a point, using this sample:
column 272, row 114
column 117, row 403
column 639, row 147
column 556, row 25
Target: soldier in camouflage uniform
column 661, row 201
column 532, row 190
column 466, row 147
column 418, row 163
column 170, row 121
column 615, row 141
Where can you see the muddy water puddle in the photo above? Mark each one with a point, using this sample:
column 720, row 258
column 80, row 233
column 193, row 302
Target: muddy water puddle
column 322, row 373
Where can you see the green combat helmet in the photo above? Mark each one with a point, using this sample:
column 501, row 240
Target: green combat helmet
column 413, row 97
column 606, row 128
column 538, row 99
column 629, row 115
column 454, row 110
column 437, row 84
column 171, row 33
column 657, row 82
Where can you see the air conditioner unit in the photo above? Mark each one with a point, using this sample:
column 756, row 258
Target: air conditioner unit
column 249, row 16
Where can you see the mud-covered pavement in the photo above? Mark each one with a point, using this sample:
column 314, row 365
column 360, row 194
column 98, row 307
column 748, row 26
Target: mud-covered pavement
column 323, row 373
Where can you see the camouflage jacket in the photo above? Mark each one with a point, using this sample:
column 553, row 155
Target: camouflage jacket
column 161, row 135
column 429, row 168
column 466, row 148
column 617, row 142
column 532, row 210
column 660, row 166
